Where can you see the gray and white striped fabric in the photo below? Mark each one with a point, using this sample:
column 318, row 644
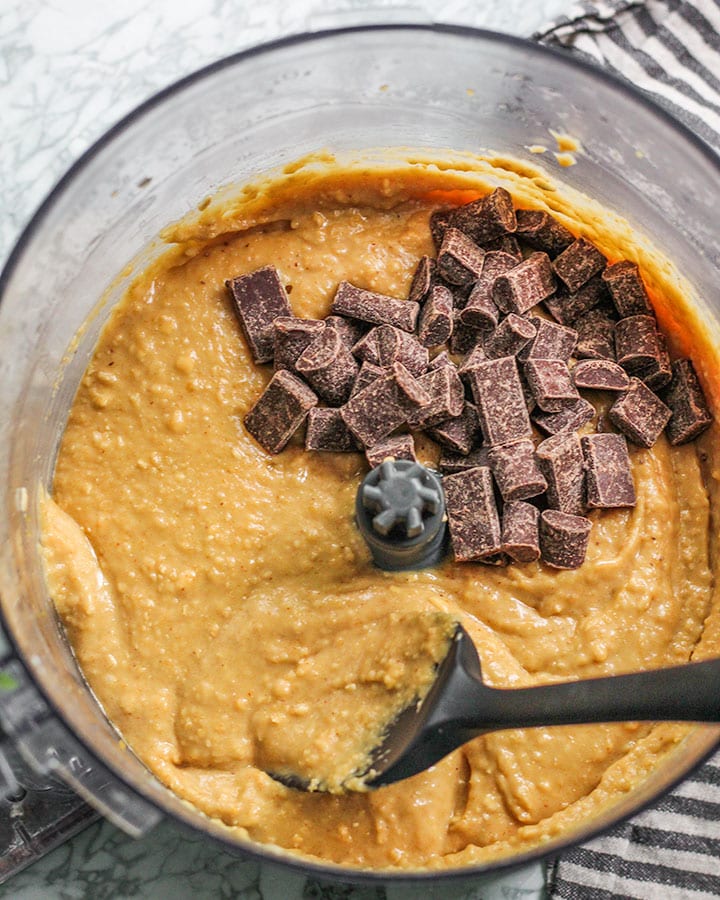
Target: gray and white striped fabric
column 671, row 50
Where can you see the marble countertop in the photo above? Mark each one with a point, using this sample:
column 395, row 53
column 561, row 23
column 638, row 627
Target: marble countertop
column 69, row 69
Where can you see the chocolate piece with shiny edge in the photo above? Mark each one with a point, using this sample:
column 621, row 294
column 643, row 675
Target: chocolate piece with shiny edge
column 566, row 308
column 608, row 475
column 551, row 341
column 578, row 263
column 480, row 311
column 459, row 259
column 328, row 433
column 560, row 459
column 516, row 470
column 520, row 531
column 510, row 336
column 564, row 539
column 400, row 446
column 378, row 309
column 385, row 344
column 423, row 279
column 627, row 289
column 329, row 367
column 542, row 231
column 258, row 299
column 472, row 514
column 572, row 417
column 487, row 218
column 377, row 410
column 498, row 394
column 350, row 330
column 447, row 398
column 596, row 336
column 411, row 389
column 472, row 358
column 367, row 374
column 600, row 375
column 279, row 411
column 291, row 336
column 460, row 433
column 686, row 400
column 639, row 414
column 436, row 317
column 641, row 350
column 525, row 285
column 450, row 462
column 551, row 384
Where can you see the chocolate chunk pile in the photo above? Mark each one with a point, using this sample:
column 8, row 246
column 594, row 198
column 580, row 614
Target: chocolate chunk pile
column 521, row 318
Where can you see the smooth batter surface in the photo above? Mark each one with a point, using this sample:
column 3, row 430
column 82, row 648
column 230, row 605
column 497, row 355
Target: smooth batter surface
column 212, row 592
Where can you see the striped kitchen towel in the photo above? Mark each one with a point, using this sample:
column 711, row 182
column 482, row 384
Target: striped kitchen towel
column 671, row 50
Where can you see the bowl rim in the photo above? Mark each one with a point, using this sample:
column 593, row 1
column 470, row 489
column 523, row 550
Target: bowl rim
column 310, row 866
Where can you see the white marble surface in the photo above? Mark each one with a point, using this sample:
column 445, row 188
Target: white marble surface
column 68, row 70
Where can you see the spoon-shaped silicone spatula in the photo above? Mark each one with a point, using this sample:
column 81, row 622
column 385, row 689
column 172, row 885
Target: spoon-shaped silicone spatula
column 459, row 706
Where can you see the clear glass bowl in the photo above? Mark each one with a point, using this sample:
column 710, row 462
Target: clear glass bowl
column 347, row 90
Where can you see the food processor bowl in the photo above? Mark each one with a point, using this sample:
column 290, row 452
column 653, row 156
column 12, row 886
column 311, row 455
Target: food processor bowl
column 423, row 87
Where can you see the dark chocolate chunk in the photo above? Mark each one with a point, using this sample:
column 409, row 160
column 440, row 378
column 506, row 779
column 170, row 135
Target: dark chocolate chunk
column 627, row 289
column 279, row 411
column 436, row 317
column 411, row 389
column 460, row 433
column 378, row 309
column 564, row 539
column 560, row 459
column 686, row 400
column 481, row 311
column 367, row 374
column 463, row 338
column 520, row 531
column 439, row 224
column 327, row 432
column 375, row 411
column 472, row 514
column 600, row 375
column 447, row 398
column 350, row 330
column 516, row 470
column 566, row 308
column 570, row 418
column 608, row 474
column 423, row 279
column 551, row 341
column 639, row 414
column 509, row 338
column 401, row 446
column 487, row 218
column 450, row 462
column 470, row 360
column 525, row 285
column 459, row 260
column 577, row 264
column 551, row 384
column 291, row 336
column 641, row 350
column 259, row 298
column 385, row 344
column 498, row 393
column 507, row 244
column 442, row 359
column 596, row 336
column 329, row 367
column 542, row 232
